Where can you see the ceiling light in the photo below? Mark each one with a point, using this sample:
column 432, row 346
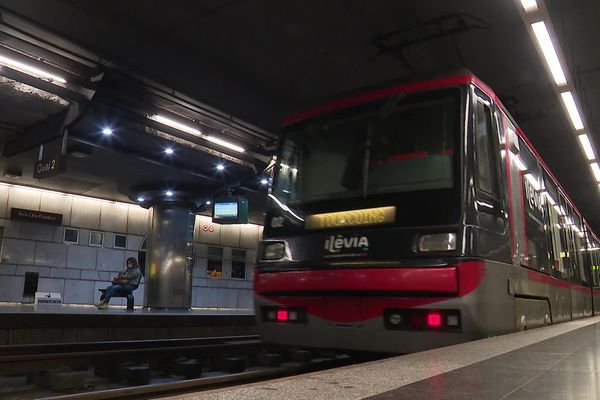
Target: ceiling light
column 195, row 132
column 168, row 150
column 529, row 5
column 29, row 70
column 596, row 171
column 569, row 102
column 220, row 167
column 587, row 146
column 549, row 52
column 224, row 143
column 140, row 199
column 264, row 181
column 169, row 193
column 208, row 203
column 175, row 124
column 107, row 131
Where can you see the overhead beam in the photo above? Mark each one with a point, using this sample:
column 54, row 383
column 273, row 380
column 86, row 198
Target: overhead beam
column 49, row 129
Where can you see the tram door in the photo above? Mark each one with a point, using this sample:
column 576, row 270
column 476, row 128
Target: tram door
column 490, row 199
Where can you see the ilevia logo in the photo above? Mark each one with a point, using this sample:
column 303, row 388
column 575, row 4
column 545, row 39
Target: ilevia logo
column 340, row 243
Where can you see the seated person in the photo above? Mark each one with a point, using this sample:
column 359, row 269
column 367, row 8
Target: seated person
column 126, row 281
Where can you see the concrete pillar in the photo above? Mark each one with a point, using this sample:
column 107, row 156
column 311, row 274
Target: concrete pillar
column 170, row 257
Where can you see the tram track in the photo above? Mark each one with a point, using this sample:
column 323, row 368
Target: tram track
column 139, row 369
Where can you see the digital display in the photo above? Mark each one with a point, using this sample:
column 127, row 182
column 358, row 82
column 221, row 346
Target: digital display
column 226, row 210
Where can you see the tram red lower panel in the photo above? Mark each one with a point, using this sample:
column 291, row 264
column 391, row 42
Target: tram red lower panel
column 289, row 288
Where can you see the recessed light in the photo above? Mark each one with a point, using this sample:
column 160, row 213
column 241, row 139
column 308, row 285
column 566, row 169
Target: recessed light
column 168, row 150
column 220, row 167
column 107, row 131
column 140, row 199
column 264, row 181
column 208, row 203
column 169, row 193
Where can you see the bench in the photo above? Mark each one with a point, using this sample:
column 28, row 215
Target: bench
column 121, row 293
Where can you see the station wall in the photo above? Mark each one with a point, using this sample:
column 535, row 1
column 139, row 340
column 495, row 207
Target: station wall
column 106, row 234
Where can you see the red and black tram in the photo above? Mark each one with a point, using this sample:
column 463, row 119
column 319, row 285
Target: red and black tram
column 417, row 216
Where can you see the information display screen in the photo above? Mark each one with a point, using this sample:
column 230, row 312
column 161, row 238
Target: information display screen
column 232, row 210
column 226, row 210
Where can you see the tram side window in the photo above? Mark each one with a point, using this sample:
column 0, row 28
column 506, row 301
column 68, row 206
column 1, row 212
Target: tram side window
column 487, row 177
column 595, row 261
column 565, row 237
column 535, row 210
column 577, row 232
column 555, row 246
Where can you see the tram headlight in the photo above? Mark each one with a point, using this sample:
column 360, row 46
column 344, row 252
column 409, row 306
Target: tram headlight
column 273, row 250
column 437, row 242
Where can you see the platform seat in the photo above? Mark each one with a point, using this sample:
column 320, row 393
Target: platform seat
column 121, row 293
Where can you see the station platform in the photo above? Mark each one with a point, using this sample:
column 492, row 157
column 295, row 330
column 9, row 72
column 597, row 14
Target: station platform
column 557, row 362
column 25, row 324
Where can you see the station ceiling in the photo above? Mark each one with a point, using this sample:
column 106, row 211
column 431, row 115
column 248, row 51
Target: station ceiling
column 259, row 60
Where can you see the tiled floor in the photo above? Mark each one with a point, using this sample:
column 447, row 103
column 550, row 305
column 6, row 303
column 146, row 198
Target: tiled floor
column 556, row 363
column 566, row 367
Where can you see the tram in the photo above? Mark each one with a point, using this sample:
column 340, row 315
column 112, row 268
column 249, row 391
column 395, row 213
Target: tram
column 415, row 216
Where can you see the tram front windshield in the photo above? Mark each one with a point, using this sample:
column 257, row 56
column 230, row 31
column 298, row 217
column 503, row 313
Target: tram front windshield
column 402, row 145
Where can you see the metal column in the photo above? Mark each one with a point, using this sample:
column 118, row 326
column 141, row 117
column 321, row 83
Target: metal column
column 170, row 257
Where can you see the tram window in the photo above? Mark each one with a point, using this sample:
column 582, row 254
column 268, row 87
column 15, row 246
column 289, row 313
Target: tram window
column 578, row 233
column 214, row 264
column 487, row 178
column 594, row 251
column 534, row 209
column 565, row 237
column 555, row 247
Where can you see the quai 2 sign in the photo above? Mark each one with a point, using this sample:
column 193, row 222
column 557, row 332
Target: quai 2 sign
column 48, row 167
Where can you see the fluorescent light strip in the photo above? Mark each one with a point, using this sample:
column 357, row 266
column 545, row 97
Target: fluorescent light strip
column 549, row 52
column 596, row 171
column 29, row 70
column 195, row 132
column 587, row 146
column 529, row 5
column 224, row 143
column 569, row 101
column 175, row 124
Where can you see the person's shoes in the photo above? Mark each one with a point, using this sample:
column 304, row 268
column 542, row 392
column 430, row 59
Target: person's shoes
column 101, row 305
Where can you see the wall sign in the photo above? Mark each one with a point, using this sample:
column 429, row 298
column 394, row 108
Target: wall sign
column 40, row 217
column 48, row 167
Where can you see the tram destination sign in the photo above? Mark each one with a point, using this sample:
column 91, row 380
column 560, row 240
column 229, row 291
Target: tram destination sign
column 48, row 167
column 40, row 217
column 366, row 216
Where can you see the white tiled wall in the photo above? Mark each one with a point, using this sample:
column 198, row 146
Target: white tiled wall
column 77, row 271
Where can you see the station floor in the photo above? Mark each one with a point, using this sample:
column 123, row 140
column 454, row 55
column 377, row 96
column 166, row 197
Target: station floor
column 558, row 362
